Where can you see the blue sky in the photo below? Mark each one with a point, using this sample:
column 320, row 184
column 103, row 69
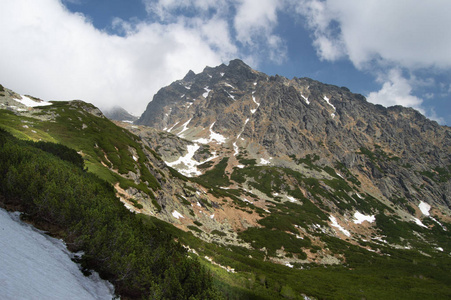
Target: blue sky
column 120, row 52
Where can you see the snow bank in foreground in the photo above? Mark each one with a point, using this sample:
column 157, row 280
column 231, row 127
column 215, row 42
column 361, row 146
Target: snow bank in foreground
column 36, row 266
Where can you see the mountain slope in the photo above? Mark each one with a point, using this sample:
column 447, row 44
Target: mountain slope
column 307, row 161
column 394, row 149
column 284, row 187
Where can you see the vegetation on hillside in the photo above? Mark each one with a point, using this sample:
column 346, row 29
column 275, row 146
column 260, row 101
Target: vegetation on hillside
column 49, row 185
column 138, row 253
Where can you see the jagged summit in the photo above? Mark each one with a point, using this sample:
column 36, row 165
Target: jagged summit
column 277, row 120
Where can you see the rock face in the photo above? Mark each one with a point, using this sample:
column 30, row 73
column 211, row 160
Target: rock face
column 397, row 151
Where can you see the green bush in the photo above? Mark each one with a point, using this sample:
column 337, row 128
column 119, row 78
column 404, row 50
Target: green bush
column 138, row 258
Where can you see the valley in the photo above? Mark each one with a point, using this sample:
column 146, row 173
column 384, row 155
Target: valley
column 279, row 188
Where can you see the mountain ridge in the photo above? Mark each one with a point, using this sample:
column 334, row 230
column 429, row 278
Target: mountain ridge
column 299, row 117
column 277, row 186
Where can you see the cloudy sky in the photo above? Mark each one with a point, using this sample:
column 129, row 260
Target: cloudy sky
column 120, row 52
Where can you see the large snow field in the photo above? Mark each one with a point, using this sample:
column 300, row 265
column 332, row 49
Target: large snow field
column 36, row 266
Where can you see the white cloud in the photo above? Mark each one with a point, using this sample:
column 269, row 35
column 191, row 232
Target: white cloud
column 413, row 34
column 254, row 23
column 319, row 17
column 396, row 90
column 60, row 54
column 255, row 17
column 384, row 36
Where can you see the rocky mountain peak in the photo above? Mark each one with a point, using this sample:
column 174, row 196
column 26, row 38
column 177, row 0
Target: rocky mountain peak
column 189, row 76
column 277, row 120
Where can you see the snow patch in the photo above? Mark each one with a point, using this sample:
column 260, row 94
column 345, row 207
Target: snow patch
column 328, row 102
column 222, row 74
column 264, row 161
column 188, row 161
column 228, row 269
column 229, row 85
column 186, row 165
column 135, row 158
column 216, row 136
column 230, row 96
column 235, row 146
column 359, row 218
column 36, row 266
column 169, row 130
column 291, row 199
column 306, row 99
column 419, row 223
column 424, row 207
column 436, row 221
column 380, row 239
column 336, row 225
column 207, row 92
column 255, row 101
column 185, row 128
column 289, row 265
column 30, row 102
column 213, row 137
column 176, row 214
column 245, row 200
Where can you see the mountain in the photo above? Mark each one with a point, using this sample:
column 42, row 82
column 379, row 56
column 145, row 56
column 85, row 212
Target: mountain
column 117, row 113
column 280, row 188
column 391, row 150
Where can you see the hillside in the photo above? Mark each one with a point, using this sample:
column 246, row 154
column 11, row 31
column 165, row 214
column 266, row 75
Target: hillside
column 282, row 188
